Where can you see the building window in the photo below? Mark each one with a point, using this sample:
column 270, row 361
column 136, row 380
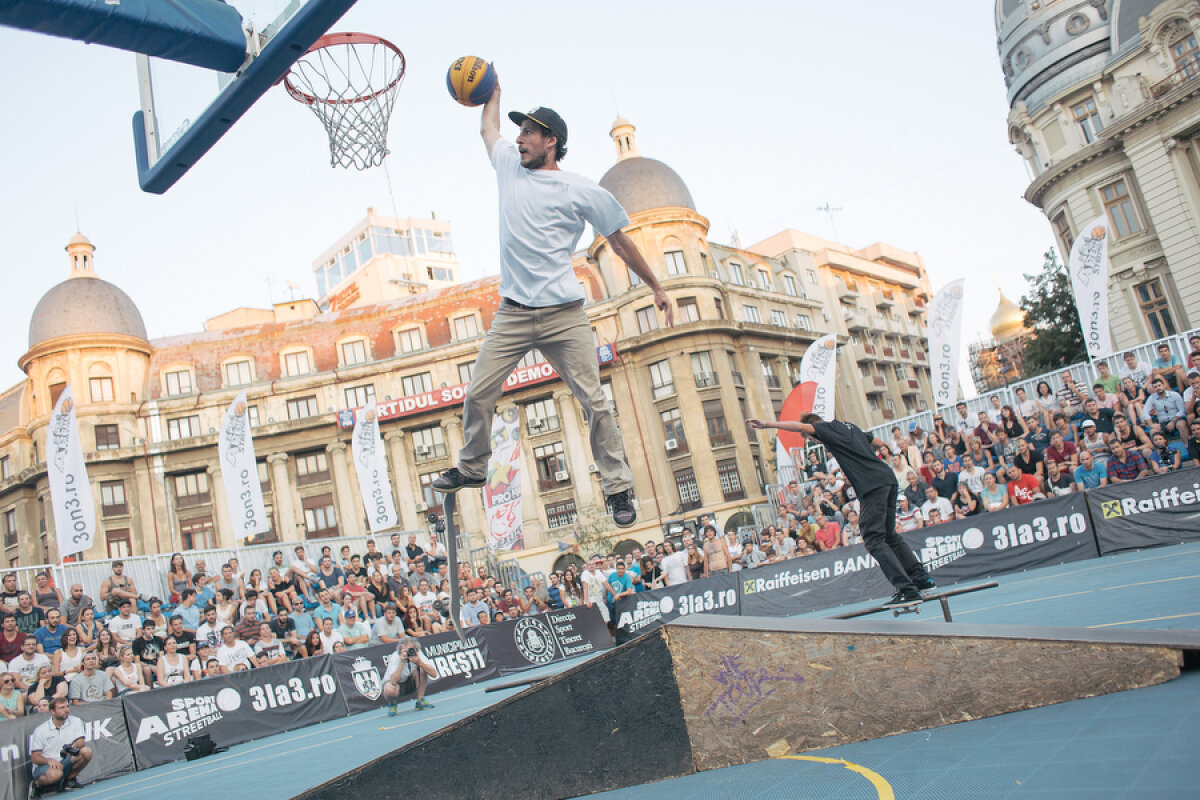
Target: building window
column 56, row 390
column 179, row 382
column 428, row 444
column 191, row 489
column 1088, row 119
column 1155, row 310
column 551, row 463
column 239, row 373
column 302, row 407
column 661, row 383
column 535, row 357
column 1062, row 229
column 101, row 389
column 465, row 371
column 647, row 319
column 112, row 499
column 432, row 499
column 719, row 434
column 634, row 280
column 312, row 467
column 764, row 280
column 10, row 527
column 354, row 352
column 359, row 396
column 5, row 467
column 689, row 492
column 688, row 311
column 731, row 482
column 264, row 477
column 702, row 370
column 804, row 322
column 416, row 384
column 252, row 415
column 759, row 478
column 735, row 274
column 320, row 518
column 1187, row 55
column 675, row 263
column 409, row 341
column 778, row 318
column 197, row 534
column 789, row 286
column 750, row 314
column 183, row 427
column 118, row 543
column 606, row 387
column 1119, row 206
column 812, row 276
column 297, row 363
column 560, row 514
column 768, row 372
column 672, row 422
column 541, row 416
column 465, row 328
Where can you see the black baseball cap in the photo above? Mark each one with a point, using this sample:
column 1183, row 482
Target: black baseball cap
column 548, row 118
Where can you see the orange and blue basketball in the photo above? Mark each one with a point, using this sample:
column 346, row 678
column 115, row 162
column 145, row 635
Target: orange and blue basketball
column 470, row 80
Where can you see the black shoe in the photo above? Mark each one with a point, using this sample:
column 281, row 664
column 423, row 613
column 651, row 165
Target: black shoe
column 904, row 598
column 926, row 585
column 620, row 505
column 452, row 480
column 71, row 785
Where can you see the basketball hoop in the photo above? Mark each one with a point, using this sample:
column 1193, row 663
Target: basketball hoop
column 349, row 80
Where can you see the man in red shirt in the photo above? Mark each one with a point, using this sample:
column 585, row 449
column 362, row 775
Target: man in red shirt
column 10, row 639
column 1022, row 487
column 829, row 535
column 1062, row 451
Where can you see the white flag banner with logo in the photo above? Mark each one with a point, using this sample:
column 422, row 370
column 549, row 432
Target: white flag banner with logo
column 945, row 337
column 70, row 492
column 1088, row 268
column 502, row 492
column 819, row 367
column 239, row 471
column 371, row 467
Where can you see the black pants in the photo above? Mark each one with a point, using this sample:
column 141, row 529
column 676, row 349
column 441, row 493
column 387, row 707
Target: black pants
column 878, row 522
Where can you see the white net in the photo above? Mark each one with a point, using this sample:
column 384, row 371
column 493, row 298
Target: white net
column 350, row 81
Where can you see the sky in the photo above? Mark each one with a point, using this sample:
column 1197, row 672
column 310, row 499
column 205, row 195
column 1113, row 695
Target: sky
column 891, row 113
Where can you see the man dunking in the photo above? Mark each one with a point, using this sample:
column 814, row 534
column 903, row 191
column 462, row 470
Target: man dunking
column 876, row 486
column 543, row 211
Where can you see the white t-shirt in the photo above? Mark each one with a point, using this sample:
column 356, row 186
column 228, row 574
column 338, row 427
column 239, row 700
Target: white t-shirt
column 394, row 662
column 302, row 568
column 675, row 567
column 1139, row 372
column 210, row 633
column 49, row 739
column 239, row 653
column 973, row 479
column 425, row 601
column 327, row 642
column 394, row 630
column 941, row 504
column 542, row 216
column 28, row 669
column 127, row 629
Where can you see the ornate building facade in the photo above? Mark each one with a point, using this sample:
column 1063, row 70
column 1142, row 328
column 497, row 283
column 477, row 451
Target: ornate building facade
column 1105, row 110
column 148, row 411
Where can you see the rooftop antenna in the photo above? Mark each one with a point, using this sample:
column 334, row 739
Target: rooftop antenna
column 829, row 211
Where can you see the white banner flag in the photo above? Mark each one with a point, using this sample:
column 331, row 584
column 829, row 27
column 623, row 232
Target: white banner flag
column 945, row 336
column 819, row 367
column 1088, row 268
column 371, row 467
column 70, row 492
column 239, row 470
column 502, row 493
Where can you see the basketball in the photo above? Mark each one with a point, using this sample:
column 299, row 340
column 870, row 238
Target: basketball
column 470, row 81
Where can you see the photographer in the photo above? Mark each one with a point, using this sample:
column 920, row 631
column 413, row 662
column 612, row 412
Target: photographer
column 406, row 673
column 57, row 750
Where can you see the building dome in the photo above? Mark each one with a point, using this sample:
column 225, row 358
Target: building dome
column 640, row 183
column 1009, row 319
column 1048, row 45
column 83, row 303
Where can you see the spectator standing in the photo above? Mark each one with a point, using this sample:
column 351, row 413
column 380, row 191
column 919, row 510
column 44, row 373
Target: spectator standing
column 716, row 552
column 117, row 588
column 179, row 578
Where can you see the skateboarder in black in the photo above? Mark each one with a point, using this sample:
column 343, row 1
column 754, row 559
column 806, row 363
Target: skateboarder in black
column 876, row 486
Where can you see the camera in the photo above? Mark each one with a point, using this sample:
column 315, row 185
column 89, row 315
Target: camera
column 411, row 652
column 68, row 752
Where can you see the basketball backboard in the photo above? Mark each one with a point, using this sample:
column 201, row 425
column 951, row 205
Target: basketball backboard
column 185, row 109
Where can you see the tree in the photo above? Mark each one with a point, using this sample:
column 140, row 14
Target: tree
column 1051, row 315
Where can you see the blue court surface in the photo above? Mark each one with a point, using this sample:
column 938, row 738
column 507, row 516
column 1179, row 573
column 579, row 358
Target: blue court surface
column 1138, row 744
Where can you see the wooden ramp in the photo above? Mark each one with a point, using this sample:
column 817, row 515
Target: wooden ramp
column 717, row 691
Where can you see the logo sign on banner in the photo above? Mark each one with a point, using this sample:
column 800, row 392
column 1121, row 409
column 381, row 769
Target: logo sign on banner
column 1088, row 268
column 553, row 636
column 1052, row 531
column 502, row 492
column 945, row 336
column 371, row 468
column 818, row 368
column 104, row 732
column 1164, row 509
column 70, row 492
column 644, row 611
column 232, row 708
column 239, row 470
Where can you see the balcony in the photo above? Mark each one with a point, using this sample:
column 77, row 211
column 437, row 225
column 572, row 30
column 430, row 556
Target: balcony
column 1187, row 73
column 910, row 387
column 705, row 379
column 856, row 321
column 884, row 300
column 878, row 380
column 916, row 306
column 847, row 292
column 888, row 352
column 737, row 379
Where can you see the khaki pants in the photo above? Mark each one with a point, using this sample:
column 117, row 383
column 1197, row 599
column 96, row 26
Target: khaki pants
column 564, row 336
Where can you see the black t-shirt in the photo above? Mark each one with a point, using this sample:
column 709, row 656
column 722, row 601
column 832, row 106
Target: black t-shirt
column 414, row 550
column 185, row 641
column 915, row 496
column 282, row 631
column 1103, row 420
column 1194, row 448
column 946, row 485
column 1029, row 466
column 147, row 650
column 855, row 455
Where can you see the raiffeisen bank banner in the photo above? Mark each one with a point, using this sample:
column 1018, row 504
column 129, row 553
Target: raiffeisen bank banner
column 1161, row 510
column 1052, row 531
